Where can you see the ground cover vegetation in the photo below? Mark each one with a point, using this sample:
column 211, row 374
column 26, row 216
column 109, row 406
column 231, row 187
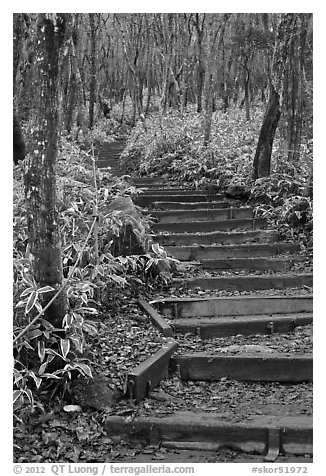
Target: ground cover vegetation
column 192, row 96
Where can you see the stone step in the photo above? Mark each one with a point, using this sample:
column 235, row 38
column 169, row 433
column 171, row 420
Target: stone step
column 145, row 200
column 213, row 225
column 109, row 157
column 114, row 147
column 233, row 306
column 211, row 327
column 202, row 252
column 118, row 143
column 184, row 216
column 112, row 157
column 109, row 163
column 112, row 170
column 103, row 163
column 262, row 367
column 161, row 184
column 192, row 205
column 181, row 192
column 245, row 283
column 213, row 431
column 111, row 152
column 147, row 180
column 277, row 265
column 221, row 237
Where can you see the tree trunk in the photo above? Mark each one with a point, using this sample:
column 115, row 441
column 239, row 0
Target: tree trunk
column 17, row 44
column 40, row 179
column 262, row 159
column 148, row 100
column 73, row 98
column 295, row 94
column 200, row 30
column 200, row 86
column 246, row 96
column 92, row 85
column 208, row 110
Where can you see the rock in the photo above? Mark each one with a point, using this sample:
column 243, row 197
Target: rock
column 94, row 393
column 237, row 191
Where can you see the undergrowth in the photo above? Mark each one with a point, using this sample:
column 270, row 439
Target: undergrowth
column 173, row 146
column 46, row 359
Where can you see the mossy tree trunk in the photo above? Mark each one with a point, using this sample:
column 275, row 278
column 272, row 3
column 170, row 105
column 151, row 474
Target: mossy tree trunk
column 40, row 177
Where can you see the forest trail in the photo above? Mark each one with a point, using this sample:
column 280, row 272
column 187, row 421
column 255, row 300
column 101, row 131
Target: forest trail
column 109, row 155
column 241, row 313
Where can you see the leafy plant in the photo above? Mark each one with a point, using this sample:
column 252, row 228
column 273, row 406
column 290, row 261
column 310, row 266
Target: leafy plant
column 45, row 358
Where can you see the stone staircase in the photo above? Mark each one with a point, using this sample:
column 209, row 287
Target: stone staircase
column 248, row 283
column 221, row 236
column 238, row 294
column 109, row 156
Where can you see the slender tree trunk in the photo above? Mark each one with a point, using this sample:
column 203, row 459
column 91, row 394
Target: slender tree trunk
column 223, row 83
column 246, row 96
column 70, row 105
column 40, row 178
column 212, row 32
column 134, row 107
column 208, row 85
column 148, row 100
column 92, row 85
column 200, row 29
column 208, row 111
column 124, row 97
column 75, row 83
column 262, row 159
column 200, row 86
column 296, row 90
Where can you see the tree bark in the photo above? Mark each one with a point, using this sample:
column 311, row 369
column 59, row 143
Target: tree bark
column 246, row 91
column 40, row 179
column 92, row 84
column 262, row 159
column 200, row 29
column 295, row 93
column 17, row 44
column 74, row 87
